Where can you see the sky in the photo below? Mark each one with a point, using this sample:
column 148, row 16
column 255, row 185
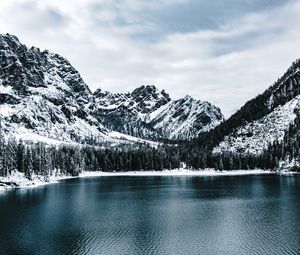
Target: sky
column 222, row 51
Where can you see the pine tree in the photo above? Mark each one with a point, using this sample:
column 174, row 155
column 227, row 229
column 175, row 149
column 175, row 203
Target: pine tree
column 2, row 151
column 20, row 154
column 28, row 166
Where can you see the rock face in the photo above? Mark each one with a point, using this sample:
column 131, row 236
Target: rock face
column 149, row 113
column 272, row 114
column 185, row 118
column 126, row 113
column 43, row 97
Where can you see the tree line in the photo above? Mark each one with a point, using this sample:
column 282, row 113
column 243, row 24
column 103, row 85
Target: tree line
column 46, row 160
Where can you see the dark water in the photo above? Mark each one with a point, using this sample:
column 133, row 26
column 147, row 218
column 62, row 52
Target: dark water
column 154, row 215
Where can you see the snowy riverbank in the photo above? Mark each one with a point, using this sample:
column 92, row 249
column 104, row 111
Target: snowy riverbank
column 178, row 172
column 18, row 180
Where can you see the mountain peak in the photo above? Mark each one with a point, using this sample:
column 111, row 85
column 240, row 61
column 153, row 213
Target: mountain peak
column 100, row 93
column 186, row 117
column 188, row 98
column 149, row 92
column 27, row 68
column 45, row 95
column 148, row 98
column 12, row 43
column 144, row 90
column 9, row 38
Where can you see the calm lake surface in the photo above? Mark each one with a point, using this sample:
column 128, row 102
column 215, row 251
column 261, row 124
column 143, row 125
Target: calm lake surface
column 154, row 215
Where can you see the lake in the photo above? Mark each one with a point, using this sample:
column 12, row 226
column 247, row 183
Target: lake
column 154, row 215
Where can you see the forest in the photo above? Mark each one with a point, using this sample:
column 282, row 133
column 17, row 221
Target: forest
column 46, row 160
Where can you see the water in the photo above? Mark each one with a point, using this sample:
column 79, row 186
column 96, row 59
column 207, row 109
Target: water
column 154, row 215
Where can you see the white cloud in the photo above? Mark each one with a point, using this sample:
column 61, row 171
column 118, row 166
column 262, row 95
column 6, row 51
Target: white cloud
column 227, row 65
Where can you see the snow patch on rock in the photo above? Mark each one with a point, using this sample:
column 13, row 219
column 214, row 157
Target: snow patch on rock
column 254, row 137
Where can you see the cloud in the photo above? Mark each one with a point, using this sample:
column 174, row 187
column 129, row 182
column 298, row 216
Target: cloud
column 225, row 56
column 31, row 17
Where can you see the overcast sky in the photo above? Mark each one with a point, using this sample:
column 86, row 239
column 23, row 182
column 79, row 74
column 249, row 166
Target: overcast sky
column 223, row 51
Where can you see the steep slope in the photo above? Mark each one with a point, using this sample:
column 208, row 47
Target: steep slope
column 185, row 118
column 264, row 119
column 126, row 113
column 147, row 112
column 42, row 97
column 147, row 99
column 257, row 135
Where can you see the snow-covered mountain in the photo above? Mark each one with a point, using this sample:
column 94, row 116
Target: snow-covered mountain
column 127, row 112
column 271, row 113
column 150, row 113
column 185, row 118
column 42, row 97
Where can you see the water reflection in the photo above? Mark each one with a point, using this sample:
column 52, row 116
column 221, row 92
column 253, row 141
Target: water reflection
column 159, row 215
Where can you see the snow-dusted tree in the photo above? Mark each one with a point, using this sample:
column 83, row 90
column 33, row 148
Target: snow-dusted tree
column 2, row 150
column 28, row 166
column 20, row 156
column 10, row 155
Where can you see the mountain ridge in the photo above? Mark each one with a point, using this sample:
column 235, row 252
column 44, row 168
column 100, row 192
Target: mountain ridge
column 279, row 105
column 259, row 135
column 41, row 93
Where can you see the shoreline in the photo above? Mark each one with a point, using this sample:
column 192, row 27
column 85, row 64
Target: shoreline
column 177, row 172
column 18, row 181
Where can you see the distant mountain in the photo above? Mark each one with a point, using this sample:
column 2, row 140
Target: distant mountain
column 126, row 113
column 185, row 118
column 42, row 97
column 149, row 113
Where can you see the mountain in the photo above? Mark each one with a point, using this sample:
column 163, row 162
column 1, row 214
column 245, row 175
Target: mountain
column 43, row 97
column 185, row 118
column 149, row 113
column 261, row 122
column 264, row 133
column 267, row 117
column 257, row 135
column 126, row 113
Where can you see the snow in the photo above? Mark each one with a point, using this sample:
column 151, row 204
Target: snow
column 5, row 89
column 185, row 118
column 29, row 136
column 20, row 181
column 289, row 163
column 109, row 107
column 53, row 78
column 155, row 113
column 6, row 110
column 178, row 172
column 40, row 114
column 120, row 136
column 59, row 107
column 254, row 137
